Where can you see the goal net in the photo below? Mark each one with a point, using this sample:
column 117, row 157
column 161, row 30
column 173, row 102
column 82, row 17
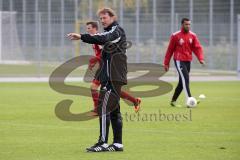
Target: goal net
column 10, row 49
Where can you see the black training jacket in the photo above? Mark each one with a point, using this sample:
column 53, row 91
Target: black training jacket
column 114, row 59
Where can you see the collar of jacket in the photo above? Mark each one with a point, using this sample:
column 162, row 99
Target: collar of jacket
column 183, row 31
column 110, row 26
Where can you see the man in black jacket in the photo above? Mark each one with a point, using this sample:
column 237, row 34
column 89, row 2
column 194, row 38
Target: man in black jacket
column 113, row 76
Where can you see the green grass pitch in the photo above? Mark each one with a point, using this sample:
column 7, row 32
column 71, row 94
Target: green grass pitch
column 29, row 129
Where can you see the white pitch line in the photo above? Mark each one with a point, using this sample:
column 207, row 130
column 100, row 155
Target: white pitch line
column 80, row 79
column 36, row 79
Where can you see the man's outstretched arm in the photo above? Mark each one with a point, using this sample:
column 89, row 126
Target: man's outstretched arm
column 100, row 39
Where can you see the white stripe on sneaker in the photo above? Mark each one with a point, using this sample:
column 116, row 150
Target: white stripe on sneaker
column 111, row 149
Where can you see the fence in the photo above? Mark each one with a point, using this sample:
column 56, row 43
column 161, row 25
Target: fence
column 33, row 32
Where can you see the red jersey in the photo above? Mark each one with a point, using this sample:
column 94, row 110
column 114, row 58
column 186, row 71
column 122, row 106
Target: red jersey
column 182, row 44
column 97, row 50
column 97, row 58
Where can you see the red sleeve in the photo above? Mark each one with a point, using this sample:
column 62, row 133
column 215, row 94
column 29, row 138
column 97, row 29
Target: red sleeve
column 197, row 49
column 170, row 50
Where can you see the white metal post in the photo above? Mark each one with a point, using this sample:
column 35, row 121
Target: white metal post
column 1, row 30
column 49, row 36
column 211, row 33
column 24, row 23
column 137, row 31
column 210, row 22
column 76, row 10
column 11, row 26
column 36, row 26
column 231, row 21
column 121, row 12
column 39, row 40
column 62, row 29
column 172, row 15
column 154, row 31
column 191, row 11
column 90, row 9
column 176, row 21
column 238, row 39
column 77, row 44
column 0, row 36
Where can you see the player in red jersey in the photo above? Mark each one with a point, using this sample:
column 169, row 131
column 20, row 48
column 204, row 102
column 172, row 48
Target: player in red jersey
column 181, row 46
column 92, row 28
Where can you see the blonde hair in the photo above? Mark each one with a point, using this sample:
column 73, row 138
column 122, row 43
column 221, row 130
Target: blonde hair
column 107, row 10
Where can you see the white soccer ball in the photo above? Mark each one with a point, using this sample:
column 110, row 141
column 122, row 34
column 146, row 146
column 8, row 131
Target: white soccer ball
column 191, row 102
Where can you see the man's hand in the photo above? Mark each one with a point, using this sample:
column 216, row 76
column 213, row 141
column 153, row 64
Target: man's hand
column 202, row 62
column 166, row 67
column 73, row 36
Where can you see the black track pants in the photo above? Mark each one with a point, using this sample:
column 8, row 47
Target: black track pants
column 183, row 69
column 109, row 111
